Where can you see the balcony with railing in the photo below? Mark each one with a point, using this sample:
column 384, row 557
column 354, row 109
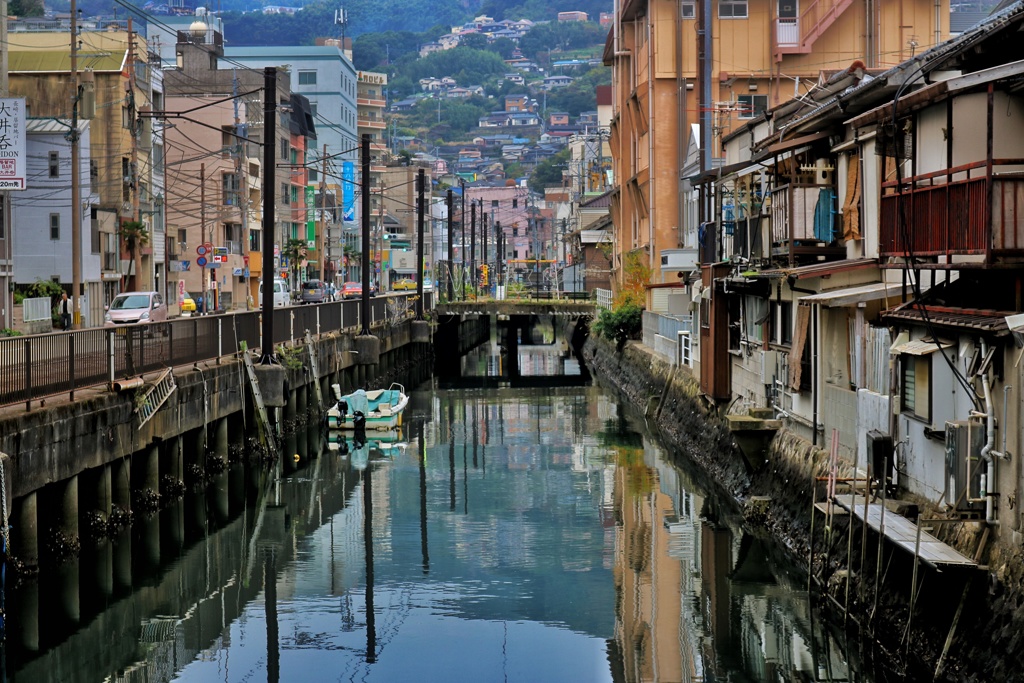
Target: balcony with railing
column 966, row 210
column 804, row 225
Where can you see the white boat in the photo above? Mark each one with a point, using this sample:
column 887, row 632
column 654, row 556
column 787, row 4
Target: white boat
column 381, row 408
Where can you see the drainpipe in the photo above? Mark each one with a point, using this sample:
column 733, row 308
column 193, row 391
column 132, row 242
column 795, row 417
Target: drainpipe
column 987, row 454
column 651, row 200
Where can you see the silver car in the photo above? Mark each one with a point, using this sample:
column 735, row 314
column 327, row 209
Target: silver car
column 129, row 308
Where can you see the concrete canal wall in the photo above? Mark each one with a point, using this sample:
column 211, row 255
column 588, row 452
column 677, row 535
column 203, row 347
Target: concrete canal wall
column 965, row 625
column 70, row 463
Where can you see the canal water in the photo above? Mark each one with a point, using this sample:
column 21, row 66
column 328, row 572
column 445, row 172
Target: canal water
column 515, row 529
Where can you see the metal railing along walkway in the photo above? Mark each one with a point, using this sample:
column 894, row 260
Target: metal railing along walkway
column 33, row 367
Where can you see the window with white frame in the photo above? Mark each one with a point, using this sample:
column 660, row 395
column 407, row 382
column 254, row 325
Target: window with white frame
column 54, row 226
column 781, row 318
column 915, row 386
column 685, row 349
column 688, row 9
column 755, row 315
column 751, row 105
column 732, row 9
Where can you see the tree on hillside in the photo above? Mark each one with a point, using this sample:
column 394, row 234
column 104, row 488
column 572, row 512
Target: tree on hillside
column 570, row 35
column 474, row 41
column 466, row 66
column 540, row 10
column 581, row 94
column 548, row 173
column 445, row 119
column 372, row 50
column 25, row 8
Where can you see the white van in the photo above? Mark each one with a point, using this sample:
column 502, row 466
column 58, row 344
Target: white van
column 282, row 294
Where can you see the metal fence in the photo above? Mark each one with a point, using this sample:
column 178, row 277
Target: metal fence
column 604, row 298
column 36, row 366
column 36, row 308
column 668, row 336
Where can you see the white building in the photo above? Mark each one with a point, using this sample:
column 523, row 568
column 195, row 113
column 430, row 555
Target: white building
column 41, row 215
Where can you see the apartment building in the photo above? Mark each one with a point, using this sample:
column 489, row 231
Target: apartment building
column 753, row 55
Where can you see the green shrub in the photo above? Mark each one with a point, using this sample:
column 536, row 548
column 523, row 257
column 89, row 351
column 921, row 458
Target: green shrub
column 8, row 332
column 620, row 324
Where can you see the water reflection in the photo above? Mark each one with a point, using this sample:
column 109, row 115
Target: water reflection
column 515, row 360
column 513, row 534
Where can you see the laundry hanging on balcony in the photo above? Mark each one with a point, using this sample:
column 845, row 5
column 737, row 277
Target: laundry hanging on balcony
column 824, row 215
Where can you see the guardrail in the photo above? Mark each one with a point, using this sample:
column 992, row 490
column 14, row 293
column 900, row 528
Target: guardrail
column 33, row 367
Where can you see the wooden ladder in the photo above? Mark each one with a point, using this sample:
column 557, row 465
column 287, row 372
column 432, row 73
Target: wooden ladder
column 316, row 370
column 267, row 435
column 156, row 397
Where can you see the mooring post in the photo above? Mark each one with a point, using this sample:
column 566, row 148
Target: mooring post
column 864, row 532
column 913, row 582
column 881, row 546
column 810, row 553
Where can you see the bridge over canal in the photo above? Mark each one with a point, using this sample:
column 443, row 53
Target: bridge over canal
column 517, row 320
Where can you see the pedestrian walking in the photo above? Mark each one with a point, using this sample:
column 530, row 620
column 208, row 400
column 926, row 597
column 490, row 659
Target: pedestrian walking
column 65, row 311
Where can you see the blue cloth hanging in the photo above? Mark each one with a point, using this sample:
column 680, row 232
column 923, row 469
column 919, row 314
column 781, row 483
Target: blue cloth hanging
column 824, row 215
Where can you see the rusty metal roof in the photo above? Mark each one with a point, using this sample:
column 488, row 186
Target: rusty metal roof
column 820, row 269
column 966, row 319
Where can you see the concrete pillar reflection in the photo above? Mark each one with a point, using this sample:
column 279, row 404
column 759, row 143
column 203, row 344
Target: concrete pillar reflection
column 221, row 439
column 25, row 544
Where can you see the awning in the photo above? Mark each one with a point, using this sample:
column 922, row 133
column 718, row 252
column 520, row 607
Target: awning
column 404, row 271
column 717, row 172
column 919, row 347
column 790, row 145
column 854, row 295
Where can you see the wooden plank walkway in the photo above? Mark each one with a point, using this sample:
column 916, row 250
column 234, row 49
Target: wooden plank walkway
column 903, row 533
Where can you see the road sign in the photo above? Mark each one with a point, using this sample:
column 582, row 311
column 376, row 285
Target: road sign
column 201, row 250
column 201, row 261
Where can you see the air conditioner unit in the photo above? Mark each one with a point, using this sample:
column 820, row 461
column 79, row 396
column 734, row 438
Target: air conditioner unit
column 964, row 441
column 678, row 259
column 769, row 366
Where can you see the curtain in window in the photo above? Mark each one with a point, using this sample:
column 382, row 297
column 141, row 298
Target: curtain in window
column 824, row 219
column 803, row 317
column 851, row 207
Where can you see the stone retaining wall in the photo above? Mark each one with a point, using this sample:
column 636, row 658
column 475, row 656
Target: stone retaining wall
column 990, row 630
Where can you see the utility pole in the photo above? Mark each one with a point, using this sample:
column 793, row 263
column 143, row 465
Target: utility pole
column 451, row 250
column 421, row 184
column 483, row 234
column 269, row 149
column 76, row 180
column 499, row 254
column 243, row 193
column 462, row 241
column 5, row 222
column 133, row 167
column 364, row 312
column 472, row 244
column 324, row 242
column 202, row 230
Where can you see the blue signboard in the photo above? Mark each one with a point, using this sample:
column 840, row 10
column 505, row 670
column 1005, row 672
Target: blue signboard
column 348, row 190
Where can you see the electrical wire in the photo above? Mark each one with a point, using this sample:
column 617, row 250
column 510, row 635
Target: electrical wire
column 904, row 230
